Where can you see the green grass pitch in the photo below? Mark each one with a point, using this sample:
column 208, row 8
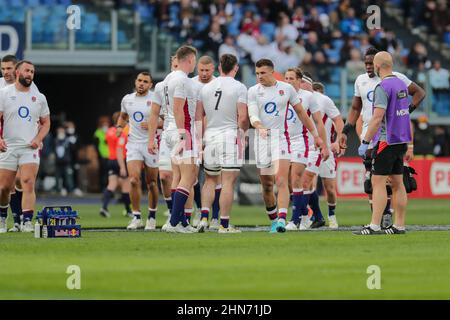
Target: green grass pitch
column 251, row 265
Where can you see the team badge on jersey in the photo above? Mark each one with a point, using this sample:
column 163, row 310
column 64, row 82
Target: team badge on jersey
column 33, row 98
column 281, row 92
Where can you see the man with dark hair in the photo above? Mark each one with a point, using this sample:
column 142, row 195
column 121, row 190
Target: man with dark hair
column 268, row 103
column 135, row 108
column 26, row 123
column 8, row 68
column 180, row 95
column 361, row 112
column 224, row 103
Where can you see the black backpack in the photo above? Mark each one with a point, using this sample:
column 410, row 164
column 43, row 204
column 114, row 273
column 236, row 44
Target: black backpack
column 408, row 179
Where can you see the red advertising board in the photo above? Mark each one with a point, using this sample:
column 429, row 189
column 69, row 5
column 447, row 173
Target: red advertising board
column 433, row 178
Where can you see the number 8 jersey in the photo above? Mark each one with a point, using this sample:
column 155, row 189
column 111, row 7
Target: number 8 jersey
column 21, row 114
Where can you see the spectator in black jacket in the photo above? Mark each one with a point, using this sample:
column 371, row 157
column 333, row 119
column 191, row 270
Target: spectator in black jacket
column 64, row 171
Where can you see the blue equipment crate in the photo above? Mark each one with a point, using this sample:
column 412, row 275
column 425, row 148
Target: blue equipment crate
column 60, row 222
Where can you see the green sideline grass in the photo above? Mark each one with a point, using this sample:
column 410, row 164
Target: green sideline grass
column 251, row 265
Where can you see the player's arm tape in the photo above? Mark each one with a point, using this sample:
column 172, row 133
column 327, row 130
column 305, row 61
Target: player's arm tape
column 347, row 128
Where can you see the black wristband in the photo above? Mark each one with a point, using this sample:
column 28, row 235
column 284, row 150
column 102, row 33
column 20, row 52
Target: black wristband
column 412, row 108
column 365, row 142
column 347, row 128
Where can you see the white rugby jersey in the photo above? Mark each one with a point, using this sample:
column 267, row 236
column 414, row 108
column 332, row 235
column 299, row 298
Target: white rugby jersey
column 296, row 128
column 138, row 110
column 3, row 84
column 21, row 114
column 178, row 85
column 272, row 103
column 329, row 111
column 220, row 98
column 364, row 88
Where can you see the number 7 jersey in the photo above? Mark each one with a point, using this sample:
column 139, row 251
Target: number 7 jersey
column 220, row 98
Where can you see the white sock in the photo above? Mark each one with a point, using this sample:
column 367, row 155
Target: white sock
column 399, row 228
column 374, row 227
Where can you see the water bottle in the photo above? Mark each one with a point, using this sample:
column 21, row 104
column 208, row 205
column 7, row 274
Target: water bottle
column 37, row 230
column 44, row 231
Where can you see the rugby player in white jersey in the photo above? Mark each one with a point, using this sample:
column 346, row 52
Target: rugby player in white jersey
column 300, row 140
column 165, row 164
column 135, row 108
column 8, row 66
column 360, row 114
column 268, row 103
column 205, row 74
column 224, row 103
column 180, row 98
column 26, row 122
column 327, row 169
column 315, row 161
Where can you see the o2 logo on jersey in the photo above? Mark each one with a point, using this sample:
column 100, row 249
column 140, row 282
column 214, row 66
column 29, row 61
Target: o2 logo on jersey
column 138, row 116
column 24, row 113
column 271, row 107
column 291, row 116
column 370, row 95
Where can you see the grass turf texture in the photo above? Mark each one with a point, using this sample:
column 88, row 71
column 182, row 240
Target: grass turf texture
column 251, row 265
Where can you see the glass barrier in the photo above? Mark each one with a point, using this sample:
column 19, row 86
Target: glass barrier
column 48, row 25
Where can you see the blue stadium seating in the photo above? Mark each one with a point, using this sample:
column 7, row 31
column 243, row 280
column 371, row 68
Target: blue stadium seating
column 333, row 90
column 447, row 37
column 268, row 30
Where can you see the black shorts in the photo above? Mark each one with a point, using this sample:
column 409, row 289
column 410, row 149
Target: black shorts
column 388, row 159
column 113, row 168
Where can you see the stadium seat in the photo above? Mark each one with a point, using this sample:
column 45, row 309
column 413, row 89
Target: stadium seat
column 350, row 90
column 447, row 37
column 122, row 37
column 337, row 44
column 268, row 29
column 335, row 75
column 333, row 90
column 16, row 4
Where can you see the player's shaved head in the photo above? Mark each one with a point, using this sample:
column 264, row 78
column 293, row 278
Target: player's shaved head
column 383, row 63
column 206, row 60
column 205, row 69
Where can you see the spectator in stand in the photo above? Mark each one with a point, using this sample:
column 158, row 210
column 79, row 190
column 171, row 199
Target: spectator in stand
column 351, row 25
column 213, row 39
column 64, row 170
column 74, row 149
column 221, row 5
column 313, row 22
column 312, row 43
column 307, row 65
column 343, row 7
column 102, row 149
column 322, row 73
column 275, row 8
column 228, row 47
column 364, row 44
column 355, row 66
column 334, row 21
column 420, row 75
column 423, row 137
column 299, row 49
column 345, row 51
column 286, row 29
column 440, row 142
column 246, row 41
column 299, row 19
column 441, row 18
column 439, row 82
column 418, row 53
column 263, row 49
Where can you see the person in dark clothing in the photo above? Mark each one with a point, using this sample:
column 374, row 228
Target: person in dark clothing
column 64, row 171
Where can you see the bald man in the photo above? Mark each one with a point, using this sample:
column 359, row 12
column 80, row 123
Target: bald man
column 389, row 130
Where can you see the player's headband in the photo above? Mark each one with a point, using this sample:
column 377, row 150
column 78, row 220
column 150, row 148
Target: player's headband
column 307, row 79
